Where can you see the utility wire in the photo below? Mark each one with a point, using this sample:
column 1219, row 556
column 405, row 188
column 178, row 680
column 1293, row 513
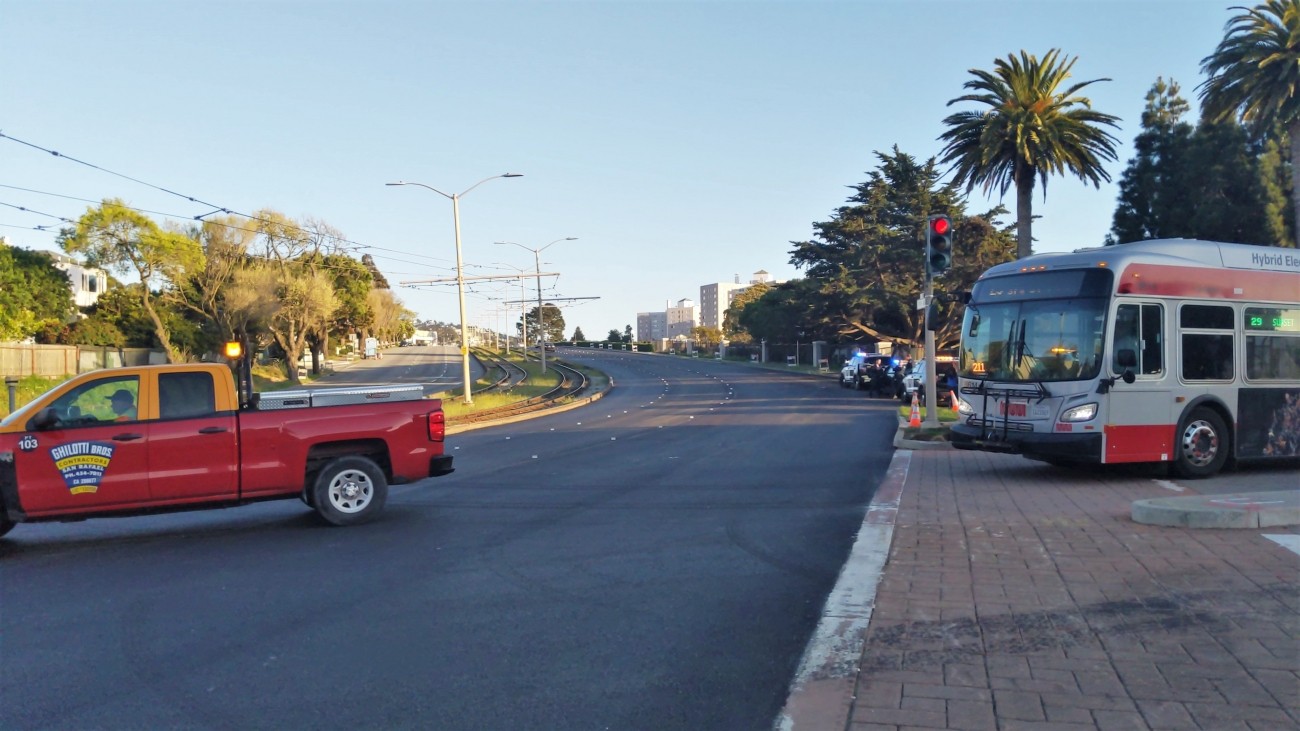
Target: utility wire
column 216, row 208
column 172, row 215
column 218, row 223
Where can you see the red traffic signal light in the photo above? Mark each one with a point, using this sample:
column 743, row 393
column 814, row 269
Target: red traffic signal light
column 938, row 245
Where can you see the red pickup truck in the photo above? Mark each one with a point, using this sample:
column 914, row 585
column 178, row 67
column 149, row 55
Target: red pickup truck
column 152, row 439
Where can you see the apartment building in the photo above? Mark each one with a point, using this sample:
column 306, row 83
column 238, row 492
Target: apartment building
column 715, row 299
column 651, row 327
column 682, row 319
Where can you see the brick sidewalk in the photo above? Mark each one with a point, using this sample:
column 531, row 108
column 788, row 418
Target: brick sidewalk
column 1018, row 596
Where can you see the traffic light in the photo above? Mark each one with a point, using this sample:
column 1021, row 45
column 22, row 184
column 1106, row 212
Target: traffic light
column 938, row 245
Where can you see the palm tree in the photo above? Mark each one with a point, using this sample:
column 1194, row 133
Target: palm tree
column 1029, row 129
column 1254, row 74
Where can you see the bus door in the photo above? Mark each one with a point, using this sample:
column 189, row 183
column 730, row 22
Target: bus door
column 1139, row 415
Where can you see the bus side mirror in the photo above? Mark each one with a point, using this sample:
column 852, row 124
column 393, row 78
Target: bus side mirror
column 964, row 297
column 1126, row 358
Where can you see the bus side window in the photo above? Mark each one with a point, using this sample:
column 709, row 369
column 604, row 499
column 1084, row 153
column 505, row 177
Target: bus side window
column 1153, row 341
column 1139, row 330
column 1207, row 356
column 1128, row 335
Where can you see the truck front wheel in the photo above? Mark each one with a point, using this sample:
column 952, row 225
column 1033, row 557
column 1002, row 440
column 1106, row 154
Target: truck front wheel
column 350, row 490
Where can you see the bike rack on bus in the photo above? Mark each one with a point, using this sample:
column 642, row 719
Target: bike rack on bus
column 989, row 439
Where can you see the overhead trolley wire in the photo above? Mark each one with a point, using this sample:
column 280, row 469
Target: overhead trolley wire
column 216, row 208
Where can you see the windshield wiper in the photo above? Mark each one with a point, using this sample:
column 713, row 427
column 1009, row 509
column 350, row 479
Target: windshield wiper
column 1017, row 344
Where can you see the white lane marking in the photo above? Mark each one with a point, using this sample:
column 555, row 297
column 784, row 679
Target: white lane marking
column 1285, row 540
column 1166, row 484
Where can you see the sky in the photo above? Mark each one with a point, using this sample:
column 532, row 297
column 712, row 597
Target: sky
column 680, row 143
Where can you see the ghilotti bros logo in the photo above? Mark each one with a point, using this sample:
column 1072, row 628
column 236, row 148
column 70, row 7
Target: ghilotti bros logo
column 82, row 464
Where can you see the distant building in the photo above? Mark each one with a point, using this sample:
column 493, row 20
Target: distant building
column 682, row 319
column 651, row 327
column 715, row 299
column 87, row 284
column 677, row 322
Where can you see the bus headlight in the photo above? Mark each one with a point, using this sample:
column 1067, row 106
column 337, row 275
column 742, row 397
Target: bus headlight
column 1080, row 413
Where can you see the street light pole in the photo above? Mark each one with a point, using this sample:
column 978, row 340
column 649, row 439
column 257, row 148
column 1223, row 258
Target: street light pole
column 537, row 261
column 523, row 314
column 460, row 270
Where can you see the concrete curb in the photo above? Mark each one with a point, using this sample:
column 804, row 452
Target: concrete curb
column 1273, row 509
column 453, row 429
column 901, row 443
column 823, row 691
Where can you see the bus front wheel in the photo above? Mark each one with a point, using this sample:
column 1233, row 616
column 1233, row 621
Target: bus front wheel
column 1203, row 443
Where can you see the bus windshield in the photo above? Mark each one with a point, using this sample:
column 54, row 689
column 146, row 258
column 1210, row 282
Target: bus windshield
column 1035, row 340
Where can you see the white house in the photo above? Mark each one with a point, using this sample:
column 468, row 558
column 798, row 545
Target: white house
column 87, row 284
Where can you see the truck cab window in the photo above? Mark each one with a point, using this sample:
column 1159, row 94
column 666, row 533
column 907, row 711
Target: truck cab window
column 185, row 395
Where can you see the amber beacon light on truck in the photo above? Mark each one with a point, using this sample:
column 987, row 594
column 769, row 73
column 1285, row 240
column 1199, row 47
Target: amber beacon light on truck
column 242, row 365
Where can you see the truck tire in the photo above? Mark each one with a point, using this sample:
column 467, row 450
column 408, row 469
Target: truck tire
column 350, row 490
column 1201, row 444
column 6, row 524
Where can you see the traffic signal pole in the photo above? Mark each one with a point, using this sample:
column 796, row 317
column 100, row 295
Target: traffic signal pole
column 938, row 257
column 931, row 369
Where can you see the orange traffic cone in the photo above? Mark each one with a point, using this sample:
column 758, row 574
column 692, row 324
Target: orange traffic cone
column 915, row 420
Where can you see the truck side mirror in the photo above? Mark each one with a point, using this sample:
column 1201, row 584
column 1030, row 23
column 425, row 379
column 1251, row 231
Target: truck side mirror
column 1126, row 358
column 46, row 418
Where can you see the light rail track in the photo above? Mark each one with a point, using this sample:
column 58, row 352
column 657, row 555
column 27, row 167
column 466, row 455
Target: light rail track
column 512, row 375
column 572, row 383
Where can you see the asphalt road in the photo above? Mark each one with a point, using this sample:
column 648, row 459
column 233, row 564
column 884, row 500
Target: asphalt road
column 656, row 560
column 436, row 367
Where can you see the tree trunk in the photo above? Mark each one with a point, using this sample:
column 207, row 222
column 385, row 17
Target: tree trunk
column 1293, row 131
column 1024, row 211
column 158, row 330
column 291, row 342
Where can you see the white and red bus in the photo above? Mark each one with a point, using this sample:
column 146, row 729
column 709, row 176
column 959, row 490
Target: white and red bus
column 1177, row 351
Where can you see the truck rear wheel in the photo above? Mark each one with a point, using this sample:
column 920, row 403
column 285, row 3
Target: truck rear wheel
column 350, row 490
column 6, row 524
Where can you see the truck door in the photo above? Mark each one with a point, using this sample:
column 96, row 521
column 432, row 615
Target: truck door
column 192, row 446
column 94, row 457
